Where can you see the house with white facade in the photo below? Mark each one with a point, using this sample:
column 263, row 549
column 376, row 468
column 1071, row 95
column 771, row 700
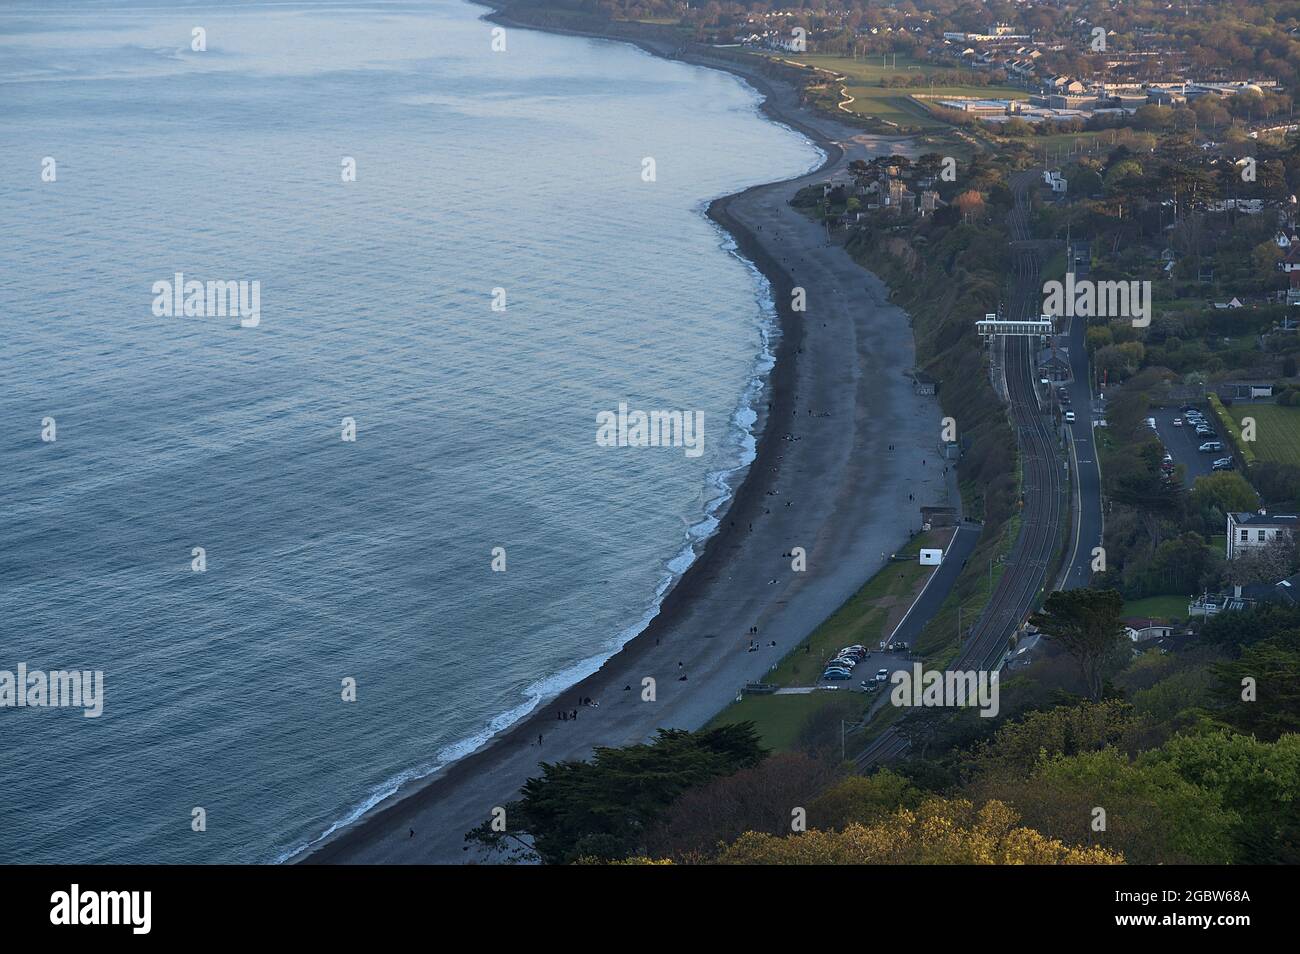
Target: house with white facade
column 1254, row 531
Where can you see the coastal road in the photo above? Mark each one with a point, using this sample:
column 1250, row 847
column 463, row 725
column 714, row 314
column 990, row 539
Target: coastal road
column 1087, row 522
column 846, row 459
column 939, row 585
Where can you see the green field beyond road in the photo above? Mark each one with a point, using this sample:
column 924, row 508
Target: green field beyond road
column 1277, row 430
column 895, row 104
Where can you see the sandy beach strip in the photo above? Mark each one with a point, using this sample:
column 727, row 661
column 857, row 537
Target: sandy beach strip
column 825, row 478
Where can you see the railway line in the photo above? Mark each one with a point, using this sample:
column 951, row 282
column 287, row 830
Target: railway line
column 1043, row 490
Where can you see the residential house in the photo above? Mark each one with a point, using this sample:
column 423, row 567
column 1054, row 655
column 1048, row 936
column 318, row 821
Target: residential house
column 1254, row 531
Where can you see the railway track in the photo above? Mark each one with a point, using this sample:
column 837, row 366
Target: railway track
column 1043, row 488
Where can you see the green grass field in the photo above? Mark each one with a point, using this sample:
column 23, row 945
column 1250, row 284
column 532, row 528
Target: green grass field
column 1162, row 607
column 780, row 720
column 1277, row 431
column 896, row 105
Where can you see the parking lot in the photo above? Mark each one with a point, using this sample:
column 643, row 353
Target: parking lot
column 865, row 671
column 1182, row 442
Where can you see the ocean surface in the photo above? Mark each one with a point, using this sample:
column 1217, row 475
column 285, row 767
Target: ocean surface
column 326, row 559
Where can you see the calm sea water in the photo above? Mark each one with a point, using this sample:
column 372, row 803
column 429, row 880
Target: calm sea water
column 328, row 559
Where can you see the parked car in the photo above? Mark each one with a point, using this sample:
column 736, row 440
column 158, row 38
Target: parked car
column 882, row 675
column 837, row 674
column 1209, row 446
column 1223, row 463
column 870, row 685
column 1069, row 417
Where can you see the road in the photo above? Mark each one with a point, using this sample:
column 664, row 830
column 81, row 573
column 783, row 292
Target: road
column 1086, row 523
column 939, row 585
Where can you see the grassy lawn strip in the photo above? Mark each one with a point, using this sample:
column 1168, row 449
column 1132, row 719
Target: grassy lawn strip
column 1230, row 419
column 1161, row 607
column 781, row 720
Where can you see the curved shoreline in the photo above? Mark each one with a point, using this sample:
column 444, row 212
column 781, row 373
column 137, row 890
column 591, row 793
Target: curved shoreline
column 461, row 788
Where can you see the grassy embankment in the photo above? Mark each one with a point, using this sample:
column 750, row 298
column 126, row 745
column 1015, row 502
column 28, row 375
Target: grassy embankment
column 810, row 721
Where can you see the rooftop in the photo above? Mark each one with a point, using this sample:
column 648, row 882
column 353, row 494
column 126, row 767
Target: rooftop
column 1264, row 519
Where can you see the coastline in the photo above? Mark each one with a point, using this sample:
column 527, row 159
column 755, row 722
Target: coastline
column 490, row 775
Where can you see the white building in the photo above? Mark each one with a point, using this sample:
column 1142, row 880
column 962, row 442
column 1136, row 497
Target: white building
column 1252, row 531
column 1054, row 179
